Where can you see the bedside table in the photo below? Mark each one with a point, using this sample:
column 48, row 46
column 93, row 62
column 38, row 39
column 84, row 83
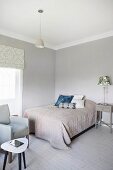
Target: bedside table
column 100, row 108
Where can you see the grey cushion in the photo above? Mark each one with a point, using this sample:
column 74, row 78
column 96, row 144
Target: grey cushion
column 19, row 130
column 4, row 114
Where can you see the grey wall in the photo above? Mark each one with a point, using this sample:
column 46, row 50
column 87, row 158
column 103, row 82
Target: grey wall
column 79, row 67
column 75, row 70
column 39, row 75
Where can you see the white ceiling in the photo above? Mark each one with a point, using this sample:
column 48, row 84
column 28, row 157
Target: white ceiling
column 64, row 22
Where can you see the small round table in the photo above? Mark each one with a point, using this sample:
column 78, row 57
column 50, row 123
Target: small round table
column 7, row 147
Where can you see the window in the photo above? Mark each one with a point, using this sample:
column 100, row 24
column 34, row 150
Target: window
column 11, row 89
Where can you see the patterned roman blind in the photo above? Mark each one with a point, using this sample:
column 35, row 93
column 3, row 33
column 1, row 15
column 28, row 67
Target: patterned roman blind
column 11, row 57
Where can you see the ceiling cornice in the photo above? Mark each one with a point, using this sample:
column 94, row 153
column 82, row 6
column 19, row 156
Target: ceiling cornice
column 24, row 38
column 65, row 45
column 85, row 40
column 16, row 36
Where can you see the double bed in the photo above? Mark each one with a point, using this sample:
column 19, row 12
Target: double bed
column 60, row 125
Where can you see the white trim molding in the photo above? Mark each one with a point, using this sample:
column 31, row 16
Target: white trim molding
column 61, row 46
column 85, row 40
column 24, row 38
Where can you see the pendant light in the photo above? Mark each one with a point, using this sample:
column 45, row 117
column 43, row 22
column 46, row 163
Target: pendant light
column 39, row 42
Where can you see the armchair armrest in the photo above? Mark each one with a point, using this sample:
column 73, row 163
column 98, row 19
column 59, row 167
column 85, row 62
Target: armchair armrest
column 19, row 120
column 5, row 133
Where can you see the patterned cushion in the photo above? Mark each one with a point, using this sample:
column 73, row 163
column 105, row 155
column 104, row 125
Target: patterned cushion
column 63, row 99
column 67, row 105
column 72, row 105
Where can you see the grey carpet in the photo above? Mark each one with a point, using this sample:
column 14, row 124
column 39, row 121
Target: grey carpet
column 91, row 151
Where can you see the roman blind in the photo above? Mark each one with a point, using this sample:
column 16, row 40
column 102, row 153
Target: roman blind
column 11, row 57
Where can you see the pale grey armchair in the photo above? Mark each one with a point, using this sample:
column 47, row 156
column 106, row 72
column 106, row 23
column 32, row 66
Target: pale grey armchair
column 12, row 127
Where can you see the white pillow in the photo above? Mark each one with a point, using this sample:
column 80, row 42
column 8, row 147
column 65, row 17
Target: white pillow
column 79, row 103
column 77, row 97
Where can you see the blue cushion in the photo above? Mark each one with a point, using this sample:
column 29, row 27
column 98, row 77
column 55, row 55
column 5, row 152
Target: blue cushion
column 63, row 99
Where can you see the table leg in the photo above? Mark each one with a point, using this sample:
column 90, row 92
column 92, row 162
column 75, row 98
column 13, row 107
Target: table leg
column 5, row 160
column 111, row 122
column 24, row 160
column 19, row 161
column 10, row 159
column 28, row 140
column 96, row 119
column 100, row 117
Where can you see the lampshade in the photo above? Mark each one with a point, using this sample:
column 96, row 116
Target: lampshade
column 104, row 81
column 39, row 43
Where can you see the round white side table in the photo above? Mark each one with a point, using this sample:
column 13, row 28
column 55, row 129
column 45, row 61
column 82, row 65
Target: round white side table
column 7, row 147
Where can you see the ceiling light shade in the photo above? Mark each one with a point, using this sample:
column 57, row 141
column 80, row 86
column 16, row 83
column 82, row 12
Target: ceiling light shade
column 39, row 43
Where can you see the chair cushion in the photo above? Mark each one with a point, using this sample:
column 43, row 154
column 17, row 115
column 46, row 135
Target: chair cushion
column 4, row 114
column 19, row 130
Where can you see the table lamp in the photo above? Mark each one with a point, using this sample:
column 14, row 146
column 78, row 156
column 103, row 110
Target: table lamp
column 104, row 81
